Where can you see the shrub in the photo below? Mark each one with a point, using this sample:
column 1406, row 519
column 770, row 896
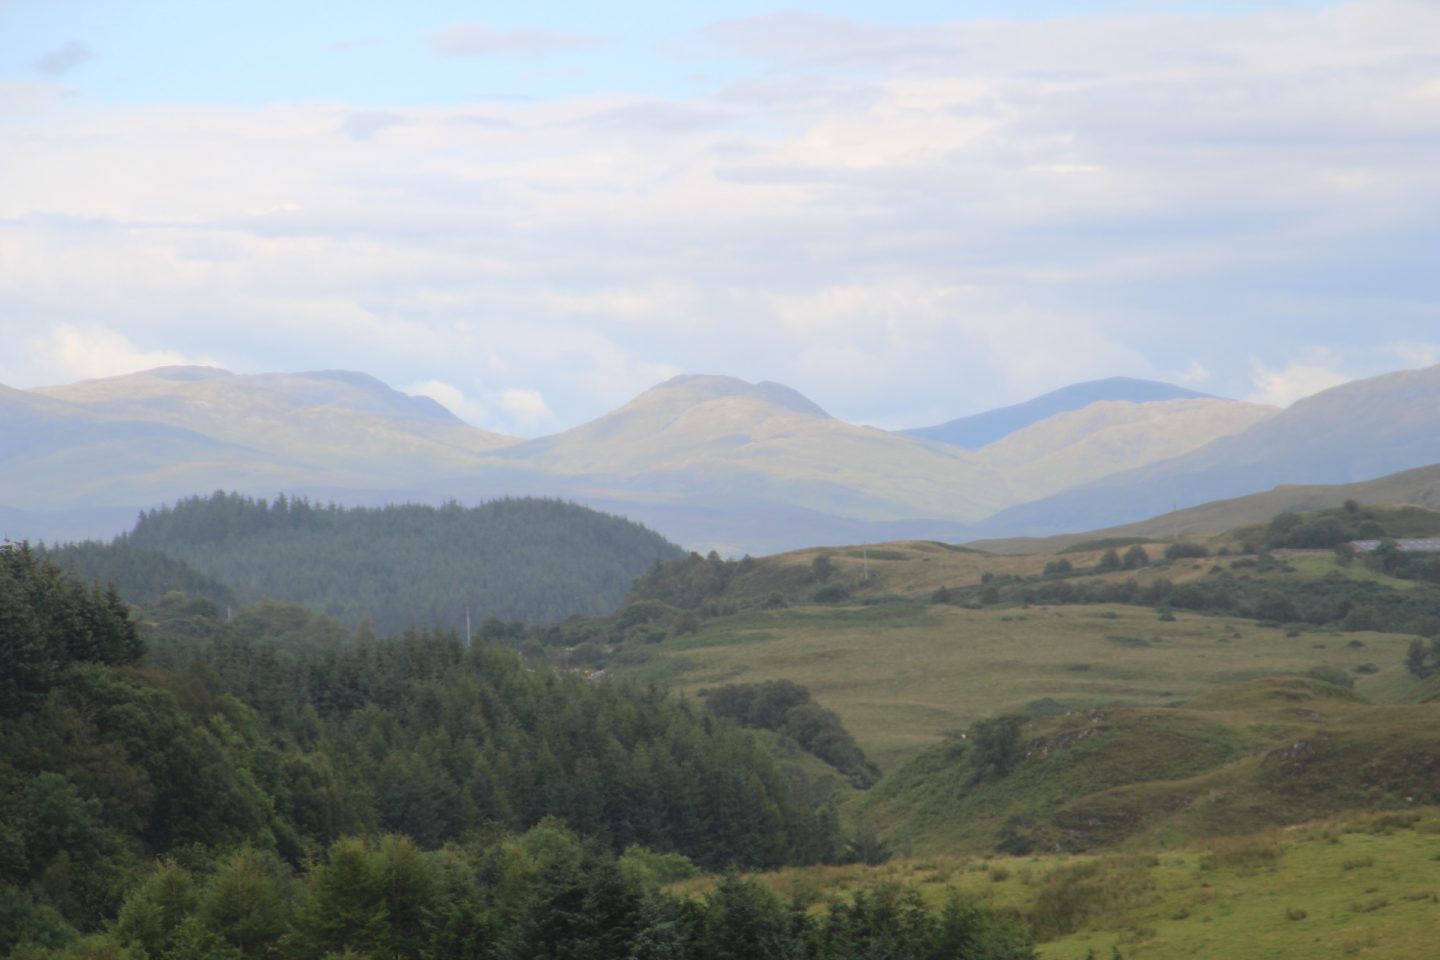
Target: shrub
column 1185, row 551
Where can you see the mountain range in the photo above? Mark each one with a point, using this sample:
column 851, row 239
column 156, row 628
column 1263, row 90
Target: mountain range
column 712, row 462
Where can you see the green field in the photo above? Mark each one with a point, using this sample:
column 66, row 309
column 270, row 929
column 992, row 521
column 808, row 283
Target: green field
column 1364, row 885
column 904, row 674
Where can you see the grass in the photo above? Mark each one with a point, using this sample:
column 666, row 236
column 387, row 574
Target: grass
column 903, row 675
column 1268, row 753
column 1363, row 885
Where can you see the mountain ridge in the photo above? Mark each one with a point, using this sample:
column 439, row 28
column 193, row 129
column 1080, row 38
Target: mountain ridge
column 981, row 429
column 1357, row 431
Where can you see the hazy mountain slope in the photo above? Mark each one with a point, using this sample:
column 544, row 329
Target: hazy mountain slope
column 717, row 439
column 1420, row 487
column 1082, row 445
column 333, row 419
column 55, row 454
column 1354, row 432
column 974, row 432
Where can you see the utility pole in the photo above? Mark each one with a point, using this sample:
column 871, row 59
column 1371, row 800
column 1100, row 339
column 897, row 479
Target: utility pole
column 469, row 639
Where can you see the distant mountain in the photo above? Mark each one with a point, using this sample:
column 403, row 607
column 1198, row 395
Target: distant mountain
column 712, row 461
column 330, row 419
column 59, row 455
column 146, row 438
column 1354, row 432
column 1108, row 437
column 978, row 430
column 713, row 441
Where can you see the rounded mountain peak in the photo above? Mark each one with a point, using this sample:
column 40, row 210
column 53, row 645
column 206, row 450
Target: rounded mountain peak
column 702, row 387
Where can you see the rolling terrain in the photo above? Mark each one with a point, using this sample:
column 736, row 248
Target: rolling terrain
column 1420, row 487
column 1355, row 432
column 712, row 461
column 982, row 429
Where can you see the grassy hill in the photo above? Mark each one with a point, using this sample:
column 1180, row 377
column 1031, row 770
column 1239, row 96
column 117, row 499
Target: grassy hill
column 1361, row 884
column 1273, row 752
column 1419, row 487
column 903, row 675
column 911, row 641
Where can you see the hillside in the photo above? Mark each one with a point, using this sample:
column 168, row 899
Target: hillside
column 1236, row 760
column 270, row 784
column 981, row 429
column 709, row 441
column 1354, row 432
column 908, row 641
column 1352, row 885
column 335, row 420
column 1420, row 487
column 1107, row 437
column 711, row 461
column 527, row 560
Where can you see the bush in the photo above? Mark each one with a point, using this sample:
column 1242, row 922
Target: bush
column 1184, row 551
column 1331, row 674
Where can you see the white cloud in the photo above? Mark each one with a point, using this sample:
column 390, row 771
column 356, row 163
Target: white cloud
column 450, row 397
column 479, row 40
column 1415, row 354
column 1282, row 386
column 527, row 408
column 1194, row 374
column 68, row 352
column 365, row 124
column 907, row 224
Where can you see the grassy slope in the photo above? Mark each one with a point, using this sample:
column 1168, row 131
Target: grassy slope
column 1420, row 486
column 1268, row 753
column 1362, row 885
column 902, row 674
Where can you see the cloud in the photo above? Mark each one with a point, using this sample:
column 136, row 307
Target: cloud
column 63, row 58
column 479, row 40
column 365, row 124
column 450, row 397
column 1415, row 354
column 1282, row 386
column 69, row 352
column 526, row 407
column 1195, row 374
column 904, row 235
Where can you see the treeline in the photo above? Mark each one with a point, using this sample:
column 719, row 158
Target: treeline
column 142, row 574
column 532, row 560
column 1327, row 529
column 544, row 894
column 787, row 708
column 283, row 732
column 49, row 621
column 1333, row 599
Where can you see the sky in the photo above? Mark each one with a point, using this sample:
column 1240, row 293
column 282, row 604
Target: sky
column 908, row 211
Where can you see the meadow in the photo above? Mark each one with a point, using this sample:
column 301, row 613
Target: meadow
column 1361, row 885
column 905, row 674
